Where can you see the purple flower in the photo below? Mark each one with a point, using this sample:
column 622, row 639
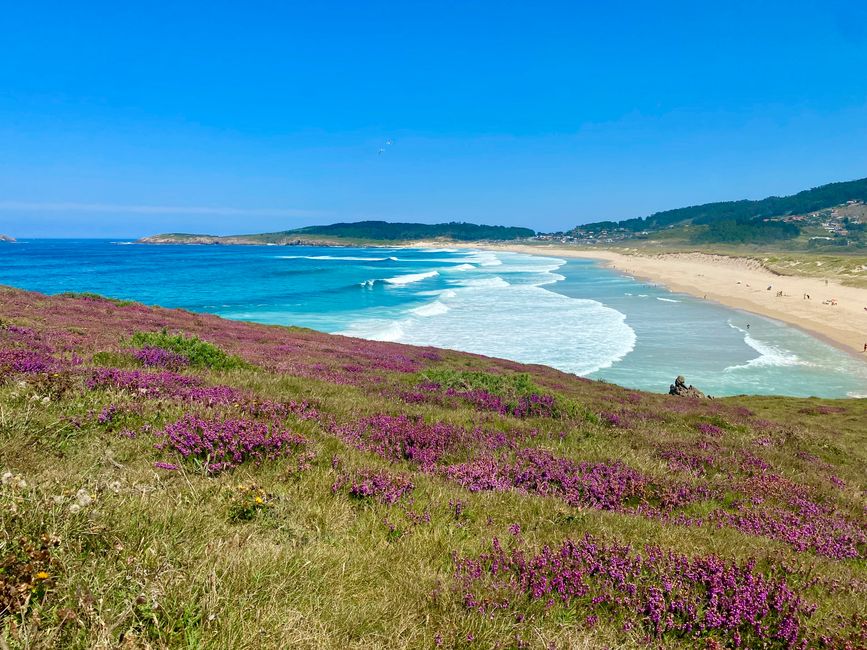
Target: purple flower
column 155, row 356
column 225, row 444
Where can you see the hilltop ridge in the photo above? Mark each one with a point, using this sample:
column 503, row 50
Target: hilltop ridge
column 831, row 215
column 355, row 232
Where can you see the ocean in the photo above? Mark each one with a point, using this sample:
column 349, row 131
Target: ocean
column 570, row 314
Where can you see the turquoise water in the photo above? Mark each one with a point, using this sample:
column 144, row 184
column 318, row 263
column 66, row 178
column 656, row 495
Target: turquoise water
column 573, row 315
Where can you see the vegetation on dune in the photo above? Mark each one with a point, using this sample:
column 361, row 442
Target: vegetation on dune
column 745, row 231
column 325, row 492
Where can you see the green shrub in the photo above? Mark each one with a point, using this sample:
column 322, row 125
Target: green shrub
column 506, row 386
column 200, row 353
column 95, row 296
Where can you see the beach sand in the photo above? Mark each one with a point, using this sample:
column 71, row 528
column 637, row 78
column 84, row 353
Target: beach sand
column 741, row 283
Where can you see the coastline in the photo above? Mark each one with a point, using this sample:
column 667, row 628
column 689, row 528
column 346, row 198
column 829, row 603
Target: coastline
column 740, row 283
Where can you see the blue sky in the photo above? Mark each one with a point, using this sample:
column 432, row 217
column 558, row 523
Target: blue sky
column 124, row 119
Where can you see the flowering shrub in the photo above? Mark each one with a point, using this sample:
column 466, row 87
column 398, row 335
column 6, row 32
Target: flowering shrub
column 386, row 487
column 403, row 438
column 270, row 409
column 663, row 593
column 606, row 486
column 709, row 429
column 19, row 360
column 224, row 444
column 107, row 414
column 161, row 384
column 513, row 394
column 160, row 357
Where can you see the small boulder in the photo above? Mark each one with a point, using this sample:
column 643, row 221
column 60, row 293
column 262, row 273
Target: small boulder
column 680, row 389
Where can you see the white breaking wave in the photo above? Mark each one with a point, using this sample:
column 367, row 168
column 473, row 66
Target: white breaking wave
column 401, row 280
column 769, row 355
column 495, row 281
column 346, row 258
column 462, row 267
column 551, row 278
column 518, row 320
column 487, row 258
column 442, row 293
column 436, row 308
column 667, row 299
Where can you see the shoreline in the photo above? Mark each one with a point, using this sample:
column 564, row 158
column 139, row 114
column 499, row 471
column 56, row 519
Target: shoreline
column 739, row 283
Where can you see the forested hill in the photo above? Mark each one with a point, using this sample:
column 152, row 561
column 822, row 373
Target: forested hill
column 403, row 231
column 361, row 231
column 818, row 198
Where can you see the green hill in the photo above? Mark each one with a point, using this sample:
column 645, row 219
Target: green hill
column 745, row 221
column 818, row 198
column 358, row 232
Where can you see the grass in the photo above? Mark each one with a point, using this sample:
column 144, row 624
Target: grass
column 141, row 557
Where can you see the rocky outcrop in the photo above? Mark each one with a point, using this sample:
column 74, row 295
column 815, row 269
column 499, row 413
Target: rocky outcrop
column 7, row 239
column 680, row 389
column 179, row 239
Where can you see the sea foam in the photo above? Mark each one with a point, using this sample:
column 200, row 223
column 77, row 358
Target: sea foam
column 410, row 278
column 512, row 318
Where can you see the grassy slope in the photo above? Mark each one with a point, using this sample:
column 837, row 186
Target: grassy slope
column 138, row 556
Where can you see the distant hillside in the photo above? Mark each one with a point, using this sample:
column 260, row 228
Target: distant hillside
column 809, row 219
column 818, row 198
column 362, row 231
column 404, row 231
column 6, row 238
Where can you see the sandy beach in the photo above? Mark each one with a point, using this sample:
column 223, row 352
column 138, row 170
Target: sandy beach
column 834, row 312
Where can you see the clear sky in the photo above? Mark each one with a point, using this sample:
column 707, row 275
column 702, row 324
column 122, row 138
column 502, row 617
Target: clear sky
column 122, row 119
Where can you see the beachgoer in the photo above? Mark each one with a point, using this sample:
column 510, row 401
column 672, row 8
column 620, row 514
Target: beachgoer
column 748, row 326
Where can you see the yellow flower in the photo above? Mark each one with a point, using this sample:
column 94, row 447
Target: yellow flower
column 260, row 500
column 42, row 575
